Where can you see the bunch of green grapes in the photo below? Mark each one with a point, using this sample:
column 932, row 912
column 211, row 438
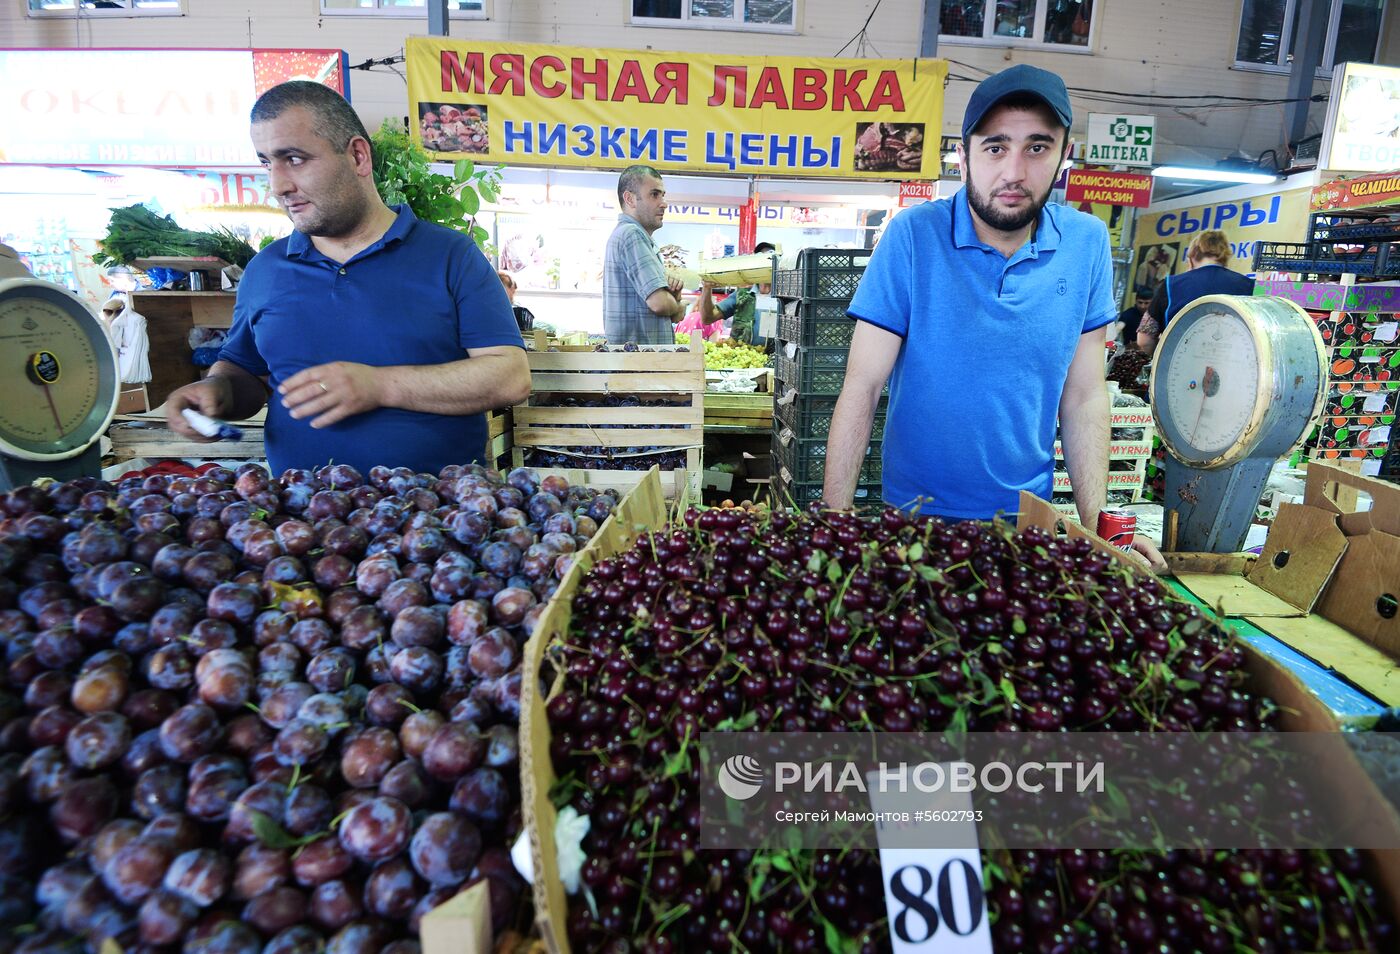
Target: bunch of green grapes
column 723, row 355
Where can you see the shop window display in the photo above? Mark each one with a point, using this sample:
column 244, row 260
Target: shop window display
column 88, row 8
column 1053, row 22
column 715, row 13
column 470, row 9
column 1268, row 37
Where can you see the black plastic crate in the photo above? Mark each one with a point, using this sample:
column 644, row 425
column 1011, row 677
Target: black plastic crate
column 1363, row 267
column 1287, row 252
column 1356, row 233
column 1321, row 258
column 1390, row 463
column 804, row 460
column 813, row 371
column 830, row 273
column 799, row 495
column 809, row 416
column 817, row 323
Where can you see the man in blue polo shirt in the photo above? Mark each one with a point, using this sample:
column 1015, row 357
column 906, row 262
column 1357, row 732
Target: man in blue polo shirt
column 373, row 338
column 985, row 315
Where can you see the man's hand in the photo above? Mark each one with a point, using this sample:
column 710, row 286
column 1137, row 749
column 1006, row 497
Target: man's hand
column 676, row 286
column 332, row 392
column 212, row 397
column 1147, row 550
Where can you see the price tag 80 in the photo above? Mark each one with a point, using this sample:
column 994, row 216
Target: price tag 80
column 933, row 896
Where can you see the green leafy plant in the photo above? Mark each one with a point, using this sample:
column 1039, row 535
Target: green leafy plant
column 136, row 232
column 403, row 172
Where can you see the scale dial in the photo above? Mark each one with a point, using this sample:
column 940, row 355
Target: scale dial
column 1213, row 384
column 58, row 372
column 1228, row 378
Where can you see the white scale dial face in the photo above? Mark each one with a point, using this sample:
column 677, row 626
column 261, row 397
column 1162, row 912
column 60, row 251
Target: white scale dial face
column 50, row 382
column 1212, row 383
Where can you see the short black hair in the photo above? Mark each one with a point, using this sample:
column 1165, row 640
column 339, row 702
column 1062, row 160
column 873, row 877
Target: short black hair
column 764, row 247
column 631, row 180
column 335, row 120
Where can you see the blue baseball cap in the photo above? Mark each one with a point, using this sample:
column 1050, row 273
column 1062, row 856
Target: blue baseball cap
column 1039, row 83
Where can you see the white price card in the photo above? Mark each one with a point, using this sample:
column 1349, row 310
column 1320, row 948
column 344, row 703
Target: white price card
column 933, row 896
column 1375, row 403
column 768, row 324
column 1386, row 331
column 1370, row 468
column 1378, row 435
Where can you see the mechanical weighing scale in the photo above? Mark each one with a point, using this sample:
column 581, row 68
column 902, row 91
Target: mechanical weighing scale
column 58, row 387
column 1237, row 383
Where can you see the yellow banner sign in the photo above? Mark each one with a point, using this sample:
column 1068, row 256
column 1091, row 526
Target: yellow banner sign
column 532, row 104
column 1164, row 237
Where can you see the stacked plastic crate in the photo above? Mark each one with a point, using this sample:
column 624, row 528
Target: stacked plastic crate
column 813, row 343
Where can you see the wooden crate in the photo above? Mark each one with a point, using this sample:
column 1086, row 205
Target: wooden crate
column 739, row 410
column 675, row 376
column 644, row 508
column 156, row 441
column 499, row 438
column 540, row 340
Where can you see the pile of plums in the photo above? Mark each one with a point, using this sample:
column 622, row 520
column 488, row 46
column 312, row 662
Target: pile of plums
column 244, row 713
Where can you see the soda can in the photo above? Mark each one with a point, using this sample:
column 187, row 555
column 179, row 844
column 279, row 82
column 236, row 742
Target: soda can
column 1116, row 527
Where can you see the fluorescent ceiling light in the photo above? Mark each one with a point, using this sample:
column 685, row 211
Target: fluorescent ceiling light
column 1212, row 175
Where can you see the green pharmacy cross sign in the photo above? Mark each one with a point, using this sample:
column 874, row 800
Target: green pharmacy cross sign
column 1120, row 140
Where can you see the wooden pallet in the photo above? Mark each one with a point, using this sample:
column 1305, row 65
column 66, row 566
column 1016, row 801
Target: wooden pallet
column 677, row 377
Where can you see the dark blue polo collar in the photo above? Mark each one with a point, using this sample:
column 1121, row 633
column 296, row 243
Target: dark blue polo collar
column 1047, row 230
column 299, row 244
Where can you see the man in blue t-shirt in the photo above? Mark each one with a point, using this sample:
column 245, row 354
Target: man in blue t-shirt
column 985, row 314
column 379, row 339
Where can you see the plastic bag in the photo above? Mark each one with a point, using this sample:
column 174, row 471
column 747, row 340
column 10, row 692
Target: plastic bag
column 165, row 277
column 128, row 331
column 201, row 337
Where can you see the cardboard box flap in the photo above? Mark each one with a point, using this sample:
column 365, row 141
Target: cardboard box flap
column 1304, row 548
column 1363, row 596
column 1334, row 489
column 1300, row 555
column 1236, row 596
column 460, row 925
column 1035, row 512
column 1330, row 645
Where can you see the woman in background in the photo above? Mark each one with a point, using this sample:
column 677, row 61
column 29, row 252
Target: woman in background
column 524, row 318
